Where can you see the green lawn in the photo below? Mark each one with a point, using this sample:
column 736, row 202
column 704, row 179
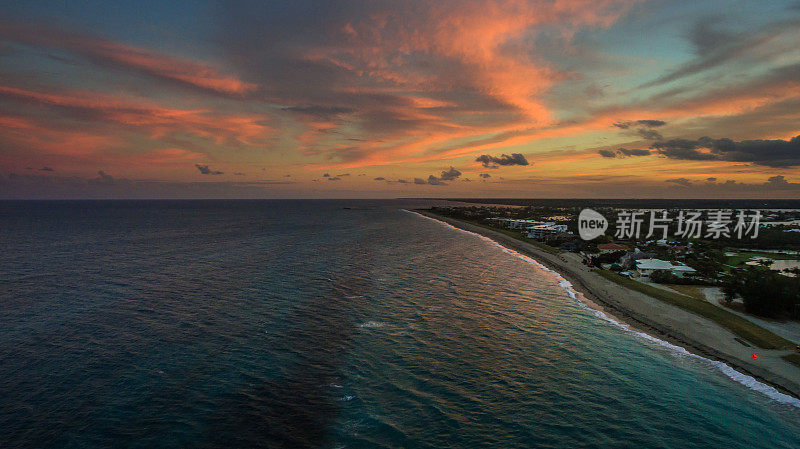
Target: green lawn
column 745, row 256
column 695, row 291
column 736, row 324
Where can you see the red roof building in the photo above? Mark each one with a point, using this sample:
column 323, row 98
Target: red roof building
column 611, row 247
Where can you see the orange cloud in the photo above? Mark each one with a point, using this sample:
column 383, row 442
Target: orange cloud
column 414, row 81
column 158, row 121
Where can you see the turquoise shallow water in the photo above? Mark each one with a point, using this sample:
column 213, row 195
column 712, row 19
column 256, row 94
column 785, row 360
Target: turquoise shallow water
column 304, row 324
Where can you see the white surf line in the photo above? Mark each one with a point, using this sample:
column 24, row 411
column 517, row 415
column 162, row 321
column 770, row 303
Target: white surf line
column 744, row 379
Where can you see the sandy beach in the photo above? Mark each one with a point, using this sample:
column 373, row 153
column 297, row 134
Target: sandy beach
column 654, row 317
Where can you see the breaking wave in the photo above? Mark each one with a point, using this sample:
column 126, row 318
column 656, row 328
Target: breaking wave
column 744, row 379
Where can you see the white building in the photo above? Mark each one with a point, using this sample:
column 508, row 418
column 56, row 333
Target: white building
column 519, row 223
column 647, row 267
column 682, row 270
column 546, row 230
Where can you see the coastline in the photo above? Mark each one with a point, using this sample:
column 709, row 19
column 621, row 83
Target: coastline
column 652, row 317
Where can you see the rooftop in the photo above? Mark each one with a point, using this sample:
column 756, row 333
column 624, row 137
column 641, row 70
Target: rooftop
column 658, row 264
column 613, row 246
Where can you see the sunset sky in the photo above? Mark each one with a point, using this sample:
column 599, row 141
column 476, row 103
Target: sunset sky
column 419, row 98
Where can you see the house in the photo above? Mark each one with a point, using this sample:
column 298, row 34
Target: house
column 611, row 247
column 681, row 249
column 647, row 267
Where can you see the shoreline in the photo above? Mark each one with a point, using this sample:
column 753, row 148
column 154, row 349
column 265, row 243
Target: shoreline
column 651, row 316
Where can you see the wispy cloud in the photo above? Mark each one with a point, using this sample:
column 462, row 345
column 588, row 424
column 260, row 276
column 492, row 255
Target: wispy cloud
column 112, row 54
column 154, row 120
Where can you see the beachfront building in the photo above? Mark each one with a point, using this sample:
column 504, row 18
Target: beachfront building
column 646, row 267
column 518, row 223
column 533, row 229
column 682, row 270
column 546, row 230
column 611, row 247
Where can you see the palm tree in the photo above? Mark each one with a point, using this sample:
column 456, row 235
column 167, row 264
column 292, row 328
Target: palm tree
column 766, row 263
column 794, row 270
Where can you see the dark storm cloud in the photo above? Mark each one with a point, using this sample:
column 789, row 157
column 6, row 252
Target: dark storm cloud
column 623, row 152
column 449, row 175
column 485, row 175
column 207, row 171
column 778, row 181
column 771, row 153
column 649, row 134
column 644, row 128
column 711, row 179
column 503, row 159
column 104, row 178
column 633, row 152
column 651, row 123
column 434, row 181
column 334, row 178
column 326, row 175
column 684, row 149
column 379, row 178
column 646, row 123
column 46, row 169
column 680, row 181
column 607, row 153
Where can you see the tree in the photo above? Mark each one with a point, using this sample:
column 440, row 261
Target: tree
column 730, row 286
column 767, row 293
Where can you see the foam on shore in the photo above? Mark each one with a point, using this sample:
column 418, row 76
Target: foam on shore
column 744, row 379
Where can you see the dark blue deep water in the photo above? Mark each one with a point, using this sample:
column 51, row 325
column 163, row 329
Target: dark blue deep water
column 305, row 324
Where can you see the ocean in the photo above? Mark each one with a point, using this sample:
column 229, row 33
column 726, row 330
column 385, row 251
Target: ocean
column 330, row 324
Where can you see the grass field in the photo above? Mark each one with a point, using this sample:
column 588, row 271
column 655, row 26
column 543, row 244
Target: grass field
column 734, row 323
column 745, row 256
column 695, row 291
